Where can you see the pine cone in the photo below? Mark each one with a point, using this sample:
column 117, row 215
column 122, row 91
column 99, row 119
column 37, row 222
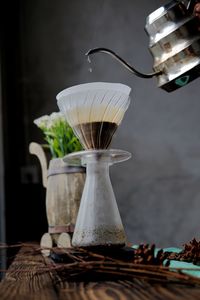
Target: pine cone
column 145, row 254
column 190, row 253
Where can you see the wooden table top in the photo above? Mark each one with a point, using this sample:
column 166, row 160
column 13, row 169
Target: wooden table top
column 24, row 280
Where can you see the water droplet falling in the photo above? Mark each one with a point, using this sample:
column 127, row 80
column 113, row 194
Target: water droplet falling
column 89, row 61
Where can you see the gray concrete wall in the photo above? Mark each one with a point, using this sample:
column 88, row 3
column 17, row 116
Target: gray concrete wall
column 158, row 190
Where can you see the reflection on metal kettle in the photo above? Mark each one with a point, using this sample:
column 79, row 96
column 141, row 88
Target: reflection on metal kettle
column 174, row 44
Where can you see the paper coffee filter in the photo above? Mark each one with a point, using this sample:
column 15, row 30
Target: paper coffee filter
column 96, row 104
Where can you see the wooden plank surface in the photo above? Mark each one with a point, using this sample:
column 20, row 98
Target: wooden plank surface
column 23, row 281
column 28, row 278
column 125, row 290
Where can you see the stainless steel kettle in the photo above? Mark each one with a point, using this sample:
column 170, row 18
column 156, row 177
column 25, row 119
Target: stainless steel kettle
column 174, row 44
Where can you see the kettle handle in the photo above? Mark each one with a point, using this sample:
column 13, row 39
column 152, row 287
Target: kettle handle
column 122, row 61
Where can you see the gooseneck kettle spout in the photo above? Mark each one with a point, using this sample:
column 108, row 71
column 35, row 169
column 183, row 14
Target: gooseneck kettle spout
column 122, row 61
column 174, row 42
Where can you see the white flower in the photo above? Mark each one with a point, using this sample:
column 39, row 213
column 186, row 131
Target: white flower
column 56, row 116
column 42, row 121
column 48, row 121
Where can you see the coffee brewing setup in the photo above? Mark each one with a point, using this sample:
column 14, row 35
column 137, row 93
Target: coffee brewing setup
column 174, row 42
column 95, row 110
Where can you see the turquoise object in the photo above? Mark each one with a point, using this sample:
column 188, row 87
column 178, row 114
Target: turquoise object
column 182, row 264
column 182, row 80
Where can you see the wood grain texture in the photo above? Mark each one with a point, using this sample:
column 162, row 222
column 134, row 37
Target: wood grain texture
column 125, row 290
column 24, row 280
column 28, row 278
column 63, row 195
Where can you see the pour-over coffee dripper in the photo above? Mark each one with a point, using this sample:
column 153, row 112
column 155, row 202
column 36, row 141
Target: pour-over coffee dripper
column 94, row 111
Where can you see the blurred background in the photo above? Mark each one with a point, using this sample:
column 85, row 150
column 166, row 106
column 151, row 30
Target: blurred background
column 42, row 52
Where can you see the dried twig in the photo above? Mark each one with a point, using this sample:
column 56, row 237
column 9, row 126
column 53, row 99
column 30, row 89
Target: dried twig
column 81, row 263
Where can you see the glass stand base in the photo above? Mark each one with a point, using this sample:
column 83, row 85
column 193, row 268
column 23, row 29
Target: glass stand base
column 98, row 222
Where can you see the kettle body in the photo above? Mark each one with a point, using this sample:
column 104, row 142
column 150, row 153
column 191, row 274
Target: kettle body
column 175, row 45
